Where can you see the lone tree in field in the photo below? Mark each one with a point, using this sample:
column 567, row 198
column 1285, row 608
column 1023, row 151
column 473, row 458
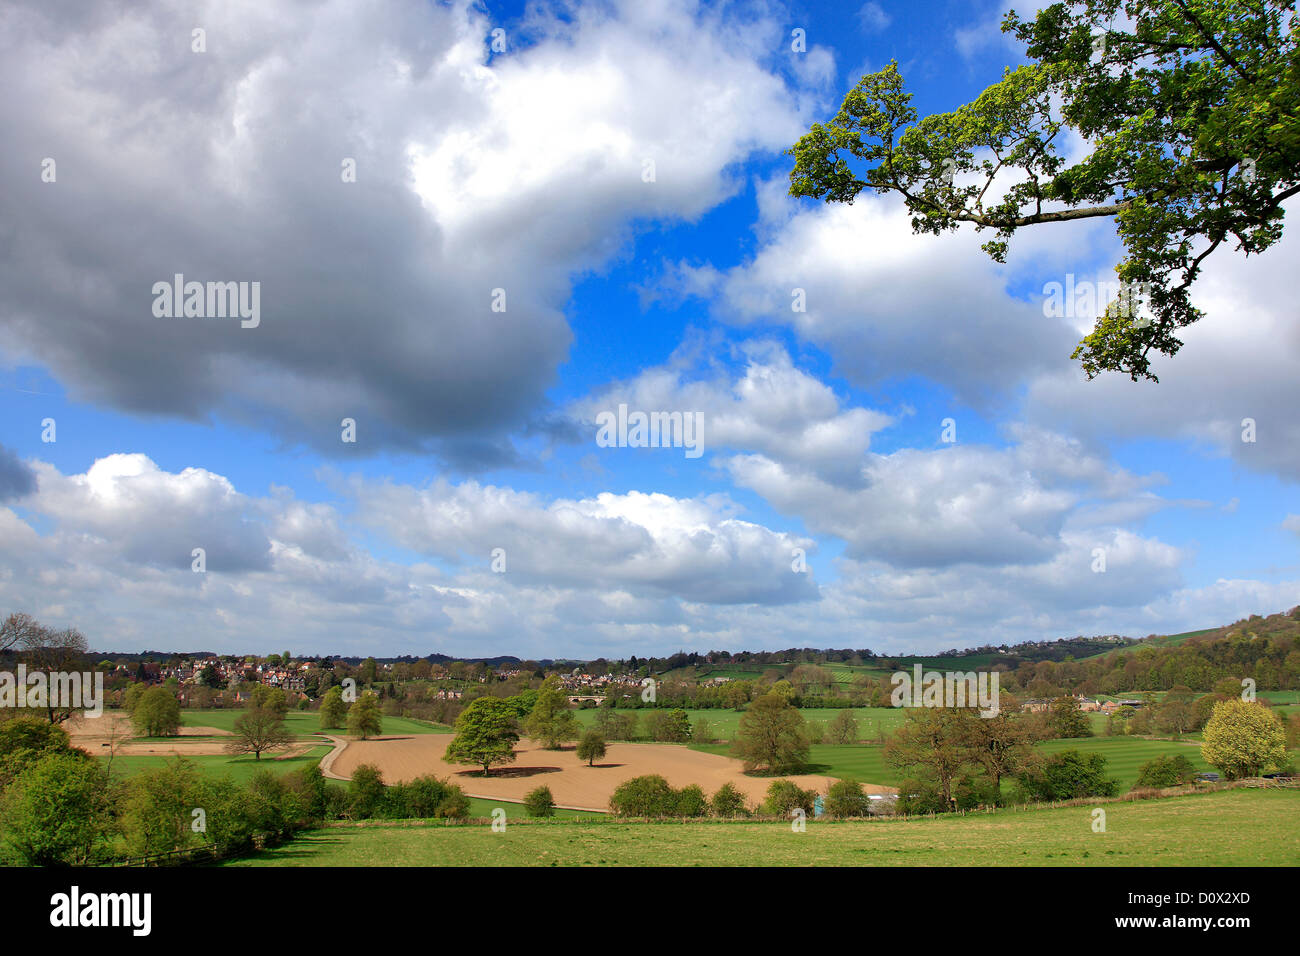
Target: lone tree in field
column 843, row 729
column 157, row 713
column 551, row 722
column 772, row 736
column 1191, row 109
column 333, row 712
column 364, row 717
column 486, row 734
column 1244, row 739
column 591, row 747
column 258, row 730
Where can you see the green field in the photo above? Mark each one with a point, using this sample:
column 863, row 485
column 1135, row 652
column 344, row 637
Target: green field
column 726, row 722
column 239, row 769
column 1227, row 828
column 1124, row 756
column 304, row 722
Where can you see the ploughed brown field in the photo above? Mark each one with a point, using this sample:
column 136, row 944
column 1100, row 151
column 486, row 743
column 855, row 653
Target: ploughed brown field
column 572, row 783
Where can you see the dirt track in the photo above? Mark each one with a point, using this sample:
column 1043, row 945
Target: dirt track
column 573, row 784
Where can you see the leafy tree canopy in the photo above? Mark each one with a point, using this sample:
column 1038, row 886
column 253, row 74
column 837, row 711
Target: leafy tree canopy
column 1192, row 112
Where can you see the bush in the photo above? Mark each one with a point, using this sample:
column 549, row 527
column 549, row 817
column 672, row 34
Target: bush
column 728, row 802
column 156, row 814
column 57, row 813
column 1070, row 775
column 645, row 796
column 702, row 731
column 691, row 802
column 784, row 796
column 430, row 797
column 847, row 798
column 539, row 802
column 367, row 792
column 25, row 740
column 313, row 793
column 272, row 806
column 1170, row 771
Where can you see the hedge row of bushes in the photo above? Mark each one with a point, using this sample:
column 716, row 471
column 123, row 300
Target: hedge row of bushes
column 652, row 796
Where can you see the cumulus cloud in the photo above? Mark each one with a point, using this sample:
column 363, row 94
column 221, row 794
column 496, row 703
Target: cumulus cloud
column 376, row 295
column 113, row 545
column 771, row 407
column 887, row 305
column 959, row 504
column 695, row 549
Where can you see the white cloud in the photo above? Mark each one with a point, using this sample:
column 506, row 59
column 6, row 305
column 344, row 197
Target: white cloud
column 646, row 544
column 773, row 407
column 513, row 174
column 873, row 18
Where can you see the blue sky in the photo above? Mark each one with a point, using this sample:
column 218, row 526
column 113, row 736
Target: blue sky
column 524, row 170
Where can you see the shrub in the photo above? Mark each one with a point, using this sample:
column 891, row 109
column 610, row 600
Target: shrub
column 691, row 802
column 728, row 802
column 272, row 806
column 428, row 796
column 367, row 792
column 1068, row 776
column 539, row 802
column 645, row 796
column 57, row 813
column 312, row 791
column 25, row 740
column 847, row 798
column 784, row 796
column 1168, row 771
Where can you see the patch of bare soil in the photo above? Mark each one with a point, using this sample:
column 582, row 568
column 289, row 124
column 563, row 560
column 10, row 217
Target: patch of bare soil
column 572, row 783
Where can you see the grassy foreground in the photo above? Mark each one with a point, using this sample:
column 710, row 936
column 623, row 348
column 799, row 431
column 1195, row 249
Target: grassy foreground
column 1225, row 828
column 240, row 769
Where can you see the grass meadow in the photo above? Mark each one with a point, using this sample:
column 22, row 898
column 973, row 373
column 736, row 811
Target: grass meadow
column 240, row 769
column 304, row 723
column 1225, row 828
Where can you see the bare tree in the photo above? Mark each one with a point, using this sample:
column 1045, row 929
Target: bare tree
column 15, row 630
column 258, row 730
column 54, row 652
